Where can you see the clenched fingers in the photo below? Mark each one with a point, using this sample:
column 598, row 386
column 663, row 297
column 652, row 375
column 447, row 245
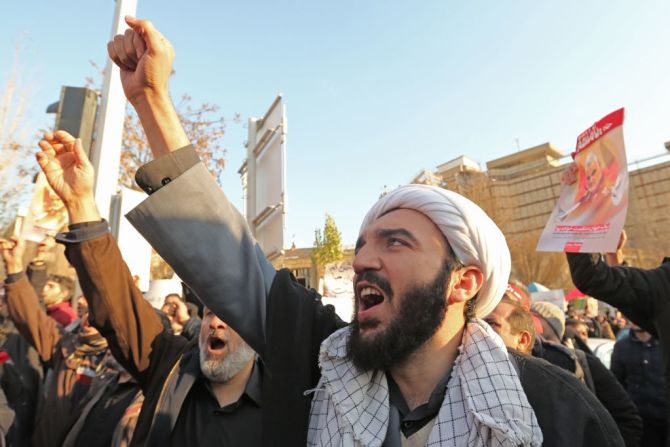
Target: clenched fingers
column 152, row 38
column 126, row 61
column 138, row 45
column 129, row 46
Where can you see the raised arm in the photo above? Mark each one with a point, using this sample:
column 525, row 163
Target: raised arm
column 145, row 58
column 638, row 293
column 117, row 308
column 23, row 305
column 188, row 219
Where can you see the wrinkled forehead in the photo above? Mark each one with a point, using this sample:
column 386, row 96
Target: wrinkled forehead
column 399, row 216
column 408, row 222
column 503, row 309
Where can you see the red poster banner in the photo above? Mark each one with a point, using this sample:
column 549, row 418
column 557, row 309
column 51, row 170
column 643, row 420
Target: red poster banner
column 591, row 212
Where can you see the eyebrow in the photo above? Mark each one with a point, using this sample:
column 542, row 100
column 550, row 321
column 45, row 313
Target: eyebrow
column 390, row 232
column 386, row 233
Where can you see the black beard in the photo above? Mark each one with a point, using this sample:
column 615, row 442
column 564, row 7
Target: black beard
column 422, row 311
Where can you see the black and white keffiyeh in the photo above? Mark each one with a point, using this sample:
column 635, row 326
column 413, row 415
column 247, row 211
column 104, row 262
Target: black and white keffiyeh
column 484, row 403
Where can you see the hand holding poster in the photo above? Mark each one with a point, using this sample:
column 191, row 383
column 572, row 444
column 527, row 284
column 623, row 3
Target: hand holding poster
column 591, row 211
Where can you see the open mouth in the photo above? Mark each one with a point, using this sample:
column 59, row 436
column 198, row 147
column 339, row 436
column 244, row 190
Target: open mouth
column 370, row 297
column 215, row 343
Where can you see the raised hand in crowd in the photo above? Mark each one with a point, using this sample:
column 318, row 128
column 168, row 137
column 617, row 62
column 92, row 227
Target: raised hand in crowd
column 145, row 59
column 617, row 258
column 12, row 254
column 176, row 311
column 43, row 249
column 569, row 174
column 70, row 174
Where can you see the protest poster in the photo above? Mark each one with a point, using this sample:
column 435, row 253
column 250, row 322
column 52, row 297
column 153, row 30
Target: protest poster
column 46, row 215
column 591, row 212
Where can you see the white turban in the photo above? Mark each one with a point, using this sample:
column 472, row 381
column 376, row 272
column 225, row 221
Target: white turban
column 473, row 236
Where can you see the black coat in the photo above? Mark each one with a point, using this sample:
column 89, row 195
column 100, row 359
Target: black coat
column 568, row 413
column 555, row 354
column 614, row 398
column 642, row 295
column 638, row 366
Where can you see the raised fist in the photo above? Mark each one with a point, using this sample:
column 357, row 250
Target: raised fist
column 569, row 174
column 145, row 59
column 12, row 254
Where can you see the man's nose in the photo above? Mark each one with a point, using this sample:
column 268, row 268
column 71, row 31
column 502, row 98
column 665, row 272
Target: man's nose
column 366, row 258
column 217, row 323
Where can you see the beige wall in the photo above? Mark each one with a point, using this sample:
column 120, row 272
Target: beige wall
column 521, row 205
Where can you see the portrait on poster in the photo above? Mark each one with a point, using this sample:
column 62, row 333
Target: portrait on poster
column 591, row 211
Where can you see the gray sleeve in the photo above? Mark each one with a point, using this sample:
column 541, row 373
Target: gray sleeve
column 194, row 227
column 154, row 175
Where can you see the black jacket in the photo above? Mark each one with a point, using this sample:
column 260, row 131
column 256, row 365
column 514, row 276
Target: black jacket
column 642, row 295
column 568, row 413
column 638, row 366
column 614, row 398
column 297, row 323
column 610, row 393
column 555, row 354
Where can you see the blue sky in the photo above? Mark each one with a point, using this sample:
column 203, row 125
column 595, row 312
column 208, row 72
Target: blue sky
column 377, row 90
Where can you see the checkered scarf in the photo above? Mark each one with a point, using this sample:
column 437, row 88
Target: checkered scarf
column 484, row 404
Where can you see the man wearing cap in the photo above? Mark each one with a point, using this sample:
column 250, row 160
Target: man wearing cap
column 417, row 366
column 551, row 318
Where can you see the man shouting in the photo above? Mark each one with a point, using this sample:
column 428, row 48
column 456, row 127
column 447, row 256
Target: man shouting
column 416, row 367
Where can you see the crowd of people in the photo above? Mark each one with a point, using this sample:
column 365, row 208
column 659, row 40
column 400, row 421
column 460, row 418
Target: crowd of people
column 443, row 348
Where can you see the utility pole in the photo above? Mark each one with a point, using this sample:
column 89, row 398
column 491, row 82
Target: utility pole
column 106, row 152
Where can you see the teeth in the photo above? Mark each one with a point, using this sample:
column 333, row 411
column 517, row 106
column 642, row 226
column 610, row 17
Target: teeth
column 368, row 291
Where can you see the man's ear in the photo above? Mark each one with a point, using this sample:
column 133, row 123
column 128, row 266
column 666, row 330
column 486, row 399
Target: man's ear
column 523, row 343
column 465, row 283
